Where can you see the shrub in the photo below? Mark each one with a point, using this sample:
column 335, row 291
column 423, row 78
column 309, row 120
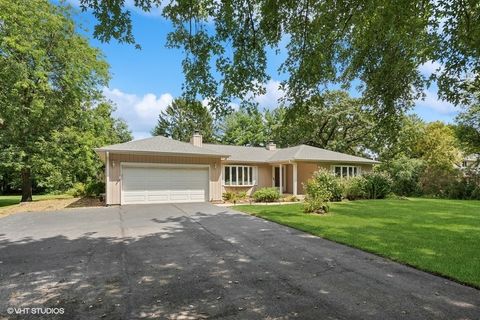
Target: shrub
column 290, row 198
column 228, row 196
column 266, row 195
column 77, row 190
column 405, row 173
column 475, row 194
column 317, row 197
column 327, row 180
column 354, row 188
column 463, row 186
column 95, row 188
column 377, row 185
column 234, row 196
column 435, row 181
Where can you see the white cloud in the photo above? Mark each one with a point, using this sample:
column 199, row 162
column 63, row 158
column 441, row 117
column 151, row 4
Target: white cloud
column 273, row 93
column 430, row 67
column 140, row 112
column 432, row 101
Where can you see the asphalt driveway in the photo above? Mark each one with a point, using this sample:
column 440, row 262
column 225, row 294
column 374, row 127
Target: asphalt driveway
column 195, row 261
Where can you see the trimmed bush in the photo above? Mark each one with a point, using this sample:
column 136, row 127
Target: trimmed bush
column 332, row 185
column 290, row 198
column 266, row 195
column 234, row 196
column 354, row 188
column 317, row 197
column 378, row 185
column 95, row 188
column 78, row 190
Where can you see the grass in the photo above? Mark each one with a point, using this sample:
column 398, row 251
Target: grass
column 6, row 201
column 439, row 236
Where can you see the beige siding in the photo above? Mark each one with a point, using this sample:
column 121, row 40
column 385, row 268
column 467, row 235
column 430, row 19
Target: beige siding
column 114, row 181
column 306, row 170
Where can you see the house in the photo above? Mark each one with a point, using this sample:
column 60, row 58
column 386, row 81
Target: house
column 471, row 161
column 159, row 169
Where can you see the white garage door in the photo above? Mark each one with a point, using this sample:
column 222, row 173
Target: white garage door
column 164, row 184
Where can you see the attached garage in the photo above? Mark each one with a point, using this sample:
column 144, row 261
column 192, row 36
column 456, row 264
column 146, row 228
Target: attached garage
column 157, row 183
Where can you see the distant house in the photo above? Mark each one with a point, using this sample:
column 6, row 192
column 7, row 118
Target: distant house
column 471, row 161
column 159, row 169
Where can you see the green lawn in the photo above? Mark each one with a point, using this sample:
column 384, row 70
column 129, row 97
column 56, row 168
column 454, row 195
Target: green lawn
column 12, row 200
column 440, row 236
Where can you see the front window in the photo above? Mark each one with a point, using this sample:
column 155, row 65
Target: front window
column 346, row 171
column 238, row 175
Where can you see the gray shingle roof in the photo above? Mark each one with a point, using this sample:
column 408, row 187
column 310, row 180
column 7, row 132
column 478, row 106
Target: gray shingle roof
column 159, row 144
column 242, row 153
column 306, row 153
column 303, row 152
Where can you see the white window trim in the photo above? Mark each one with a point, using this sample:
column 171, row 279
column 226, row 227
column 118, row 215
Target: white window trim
column 253, row 179
column 358, row 168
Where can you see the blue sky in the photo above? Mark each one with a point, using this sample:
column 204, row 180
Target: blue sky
column 145, row 81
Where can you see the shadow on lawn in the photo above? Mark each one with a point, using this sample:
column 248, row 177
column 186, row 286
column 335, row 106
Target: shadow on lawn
column 224, row 266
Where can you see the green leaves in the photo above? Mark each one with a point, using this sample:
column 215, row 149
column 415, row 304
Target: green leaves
column 50, row 93
column 182, row 118
column 377, row 45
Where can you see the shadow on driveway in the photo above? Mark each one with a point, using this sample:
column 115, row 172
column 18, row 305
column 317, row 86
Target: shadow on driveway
column 195, row 261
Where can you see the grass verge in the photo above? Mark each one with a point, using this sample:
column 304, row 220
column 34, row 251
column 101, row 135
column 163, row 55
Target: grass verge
column 439, row 236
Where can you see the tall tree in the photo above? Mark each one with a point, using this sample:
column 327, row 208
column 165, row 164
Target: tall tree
column 49, row 75
column 334, row 121
column 379, row 43
column 405, row 143
column 245, row 127
column 438, row 146
column 68, row 154
column 182, row 118
column 468, row 128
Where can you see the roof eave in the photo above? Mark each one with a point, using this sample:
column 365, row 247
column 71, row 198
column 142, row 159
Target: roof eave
column 366, row 161
column 158, row 153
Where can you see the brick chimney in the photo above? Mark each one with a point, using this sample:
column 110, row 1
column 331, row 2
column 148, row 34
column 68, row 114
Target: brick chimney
column 271, row 146
column 196, row 139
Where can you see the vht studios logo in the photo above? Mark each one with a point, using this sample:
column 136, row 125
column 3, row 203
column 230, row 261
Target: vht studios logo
column 35, row 310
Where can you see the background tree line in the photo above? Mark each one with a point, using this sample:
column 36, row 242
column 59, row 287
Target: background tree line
column 51, row 108
column 422, row 159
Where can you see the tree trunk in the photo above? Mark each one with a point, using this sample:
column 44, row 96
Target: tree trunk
column 26, row 185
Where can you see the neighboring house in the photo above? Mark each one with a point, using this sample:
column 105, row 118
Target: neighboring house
column 470, row 162
column 159, row 169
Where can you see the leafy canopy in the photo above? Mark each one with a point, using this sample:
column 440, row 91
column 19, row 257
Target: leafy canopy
column 377, row 44
column 50, row 81
column 468, row 128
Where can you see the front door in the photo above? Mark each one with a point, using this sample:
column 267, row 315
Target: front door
column 276, row 178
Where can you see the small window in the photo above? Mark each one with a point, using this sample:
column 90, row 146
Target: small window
column 338, row 171
column 226, row 175
column 346, row 171
column 234, row 175
column 238, row 175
